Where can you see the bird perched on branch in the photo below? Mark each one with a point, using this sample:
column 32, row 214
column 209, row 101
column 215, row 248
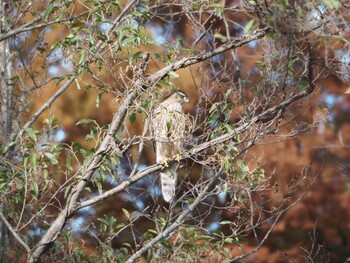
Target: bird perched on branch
column 168, row 128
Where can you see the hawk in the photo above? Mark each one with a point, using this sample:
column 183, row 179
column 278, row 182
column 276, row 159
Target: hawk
column 168, row 128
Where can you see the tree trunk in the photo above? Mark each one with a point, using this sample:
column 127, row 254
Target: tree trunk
column 6, row 92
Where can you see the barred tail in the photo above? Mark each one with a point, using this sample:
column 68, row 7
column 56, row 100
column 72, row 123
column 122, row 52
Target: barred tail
column 168, row 178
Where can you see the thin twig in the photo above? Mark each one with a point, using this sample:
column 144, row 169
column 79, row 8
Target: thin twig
column 49, row 102
column 14, row 233
column 277, row 218
column 165, row 233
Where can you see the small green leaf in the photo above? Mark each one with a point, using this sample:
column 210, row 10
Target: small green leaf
column 31, row 133
column 132, row 117
column 41, row 49
column 3, row 186
column 25, row 160
column 99, row 64
column 218, row 9
column 50, row 11
column 136, row 56
column 7, row 147
column 98, row 100
column 35, row 189
column 225, row 222
column 51, row 157
column 82, row 58
column 126, row 212
column 173, row 74
column 347, row 90
column 333, row 4
column 33, row 159
column 69, row 163
column 221, row 37
column 249, row 26
column 66, row 192
column 85, row 121
column 229, row 127
column 152, row 231
column 159, row 57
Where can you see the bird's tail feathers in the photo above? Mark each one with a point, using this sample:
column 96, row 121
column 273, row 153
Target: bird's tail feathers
column 168, row 178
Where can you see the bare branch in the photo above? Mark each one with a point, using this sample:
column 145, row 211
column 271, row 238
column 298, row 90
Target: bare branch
column 29, row 26
column 275, row 221
column 49, row 102
column 14, row 233
column 185, row 62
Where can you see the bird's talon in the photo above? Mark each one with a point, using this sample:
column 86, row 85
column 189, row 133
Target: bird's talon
column 177, row 157
column 165, row 162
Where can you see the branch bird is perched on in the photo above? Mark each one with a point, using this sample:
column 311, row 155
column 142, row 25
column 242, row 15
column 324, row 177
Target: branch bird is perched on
column 169, row 132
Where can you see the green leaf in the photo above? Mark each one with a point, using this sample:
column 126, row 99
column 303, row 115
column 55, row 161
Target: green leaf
column 66, row 192
column 229, row 127
column 25, row 160
column 7, row 147
column 347, row 90
column 33, row 159
column 126, row 212
column 85, row 121
column 99, row 64
column 82, row 58
column 51, row 157
column 132, row 117
column 35, row 189
column 218, row 9
column 252, row 2
column 69, row 163
column 181, row 41
column 173, row 74
column 333, row 4
column 221, row 37
column 50, row 11
column 41, row 49
column 3, row 186
column 67, row 3
column 249, row 26
column 153, row 231
column 226, row 222
column 159, row 57
column 31, row 133
column 137, row 55
column 98, row 100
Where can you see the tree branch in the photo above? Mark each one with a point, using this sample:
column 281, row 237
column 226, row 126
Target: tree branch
column 185, row 62
column 49, row 102
column 179, row 221
column 279, row 215
column 14, row 233
column 30, row 27
column 94, row 163
column 166, row 233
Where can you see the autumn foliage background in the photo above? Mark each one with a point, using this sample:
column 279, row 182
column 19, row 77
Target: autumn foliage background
column 318, row 225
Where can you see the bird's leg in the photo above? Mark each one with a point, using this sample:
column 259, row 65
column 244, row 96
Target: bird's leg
column 165, row 162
